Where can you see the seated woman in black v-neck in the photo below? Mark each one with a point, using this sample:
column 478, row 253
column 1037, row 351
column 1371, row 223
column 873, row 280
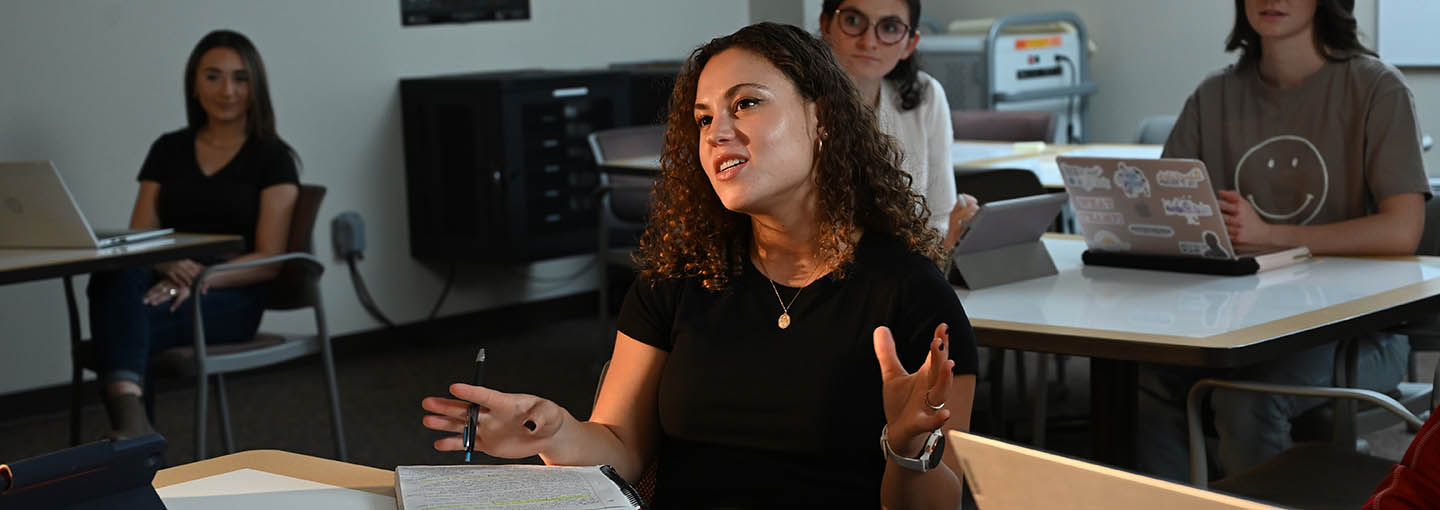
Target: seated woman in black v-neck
column 224, row 202
column 227, row 172
column 789, row 310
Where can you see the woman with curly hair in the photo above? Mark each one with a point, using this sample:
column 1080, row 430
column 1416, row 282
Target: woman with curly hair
column 788, row 312
column 874, row 41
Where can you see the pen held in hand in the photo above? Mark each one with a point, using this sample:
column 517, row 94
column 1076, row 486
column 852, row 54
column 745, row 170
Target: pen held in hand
column 470, row 432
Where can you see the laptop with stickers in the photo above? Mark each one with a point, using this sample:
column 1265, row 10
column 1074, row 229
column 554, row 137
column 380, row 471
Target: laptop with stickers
column 1157, row 214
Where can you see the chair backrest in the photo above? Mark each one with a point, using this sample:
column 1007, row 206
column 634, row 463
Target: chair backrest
column 1430, row 238
column 1003, row 126
column 630, row 203
column 1155, row 129
column 297, row 284
column 627, row 142
column 990, row 185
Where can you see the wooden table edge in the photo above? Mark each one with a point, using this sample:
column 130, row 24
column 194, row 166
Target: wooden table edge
column 295, row 465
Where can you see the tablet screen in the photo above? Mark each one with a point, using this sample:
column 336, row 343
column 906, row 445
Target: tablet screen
column 1007, row 222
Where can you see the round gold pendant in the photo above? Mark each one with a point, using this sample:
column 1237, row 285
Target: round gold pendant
column 784, row 321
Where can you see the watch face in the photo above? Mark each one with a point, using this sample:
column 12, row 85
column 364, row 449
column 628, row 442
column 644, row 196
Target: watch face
column 936, row 452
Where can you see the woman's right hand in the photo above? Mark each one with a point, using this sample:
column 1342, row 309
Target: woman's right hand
column 182, row 272
column 966, row 207
column 509, row 425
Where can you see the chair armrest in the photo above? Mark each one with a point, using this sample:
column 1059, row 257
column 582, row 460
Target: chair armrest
column 1199, row 475
column 228, row 266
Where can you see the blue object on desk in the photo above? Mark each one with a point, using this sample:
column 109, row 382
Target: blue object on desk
column 94, row 476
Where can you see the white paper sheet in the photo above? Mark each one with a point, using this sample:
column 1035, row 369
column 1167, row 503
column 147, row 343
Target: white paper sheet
column 1118, row 151
column 963, row 152
column 250, row 489
column 519, row 487
column 1048, row 171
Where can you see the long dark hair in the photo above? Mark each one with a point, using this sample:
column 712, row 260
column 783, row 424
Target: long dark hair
column 1336, row 35
column 690, row 233
column 259, row 115
column 905, row 76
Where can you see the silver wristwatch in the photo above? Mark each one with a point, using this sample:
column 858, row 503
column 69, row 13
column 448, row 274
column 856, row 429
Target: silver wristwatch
column 930, row 454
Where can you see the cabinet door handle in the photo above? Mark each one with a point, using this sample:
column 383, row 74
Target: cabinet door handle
column 570, row 92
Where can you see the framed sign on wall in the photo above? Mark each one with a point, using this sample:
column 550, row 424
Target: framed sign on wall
column 429, row 12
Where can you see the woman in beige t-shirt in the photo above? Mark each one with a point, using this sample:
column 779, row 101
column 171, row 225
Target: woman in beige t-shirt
column 1310, row 141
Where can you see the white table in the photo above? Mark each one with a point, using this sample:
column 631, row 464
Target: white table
column 1038, row 158
column 1122, row 317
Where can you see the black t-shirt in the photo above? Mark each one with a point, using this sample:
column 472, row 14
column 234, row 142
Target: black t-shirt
column 765, row 415
column 227, row 202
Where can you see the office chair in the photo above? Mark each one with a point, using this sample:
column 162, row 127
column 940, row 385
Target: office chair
column 1003, row 126
column 1325, row 474
column 624, row 199
column 1424, row 334
column 1155, row 129
column 296, row 286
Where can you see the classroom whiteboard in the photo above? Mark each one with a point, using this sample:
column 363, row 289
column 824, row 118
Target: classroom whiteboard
column 1409, row 32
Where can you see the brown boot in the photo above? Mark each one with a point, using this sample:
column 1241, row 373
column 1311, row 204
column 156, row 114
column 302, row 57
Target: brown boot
column 127, row 416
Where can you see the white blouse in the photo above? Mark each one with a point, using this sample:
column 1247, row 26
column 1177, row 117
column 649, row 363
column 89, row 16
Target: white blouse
column 925, row 134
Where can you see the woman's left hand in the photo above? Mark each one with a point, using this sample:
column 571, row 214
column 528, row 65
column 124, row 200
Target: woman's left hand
column 911, row 400
column 1247, row 230
column 166, row 290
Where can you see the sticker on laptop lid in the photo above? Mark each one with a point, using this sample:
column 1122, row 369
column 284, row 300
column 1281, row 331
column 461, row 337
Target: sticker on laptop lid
column 1107, row 240
column 1208, row 246
column 1141, row 229
column 1177, row 179
column 1088, row 178
column 1094, row 203
column 1186, row 207
column 1099, row 218
column 1132, row 181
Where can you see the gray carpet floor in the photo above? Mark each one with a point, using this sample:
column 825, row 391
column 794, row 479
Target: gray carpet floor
column 285, row 407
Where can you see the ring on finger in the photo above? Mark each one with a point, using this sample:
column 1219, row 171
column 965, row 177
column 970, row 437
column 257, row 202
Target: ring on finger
column 933, row 407
column 171, row 291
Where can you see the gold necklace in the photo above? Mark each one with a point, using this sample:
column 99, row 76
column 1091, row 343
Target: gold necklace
column 784, row 320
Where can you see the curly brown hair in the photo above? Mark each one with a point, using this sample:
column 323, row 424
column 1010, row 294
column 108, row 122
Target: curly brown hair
column 690, row 234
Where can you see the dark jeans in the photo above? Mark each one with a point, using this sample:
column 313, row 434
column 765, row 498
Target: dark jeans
column 126, row 331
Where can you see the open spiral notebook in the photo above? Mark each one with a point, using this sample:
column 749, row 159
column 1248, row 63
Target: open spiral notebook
column 519, row 486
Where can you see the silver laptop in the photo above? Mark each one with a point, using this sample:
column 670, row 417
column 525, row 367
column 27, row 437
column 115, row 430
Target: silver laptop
column 38, row 211
column 1004, row 476
column 1146, row 206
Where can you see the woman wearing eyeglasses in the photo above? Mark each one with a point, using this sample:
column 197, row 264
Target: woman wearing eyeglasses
column 874, row 41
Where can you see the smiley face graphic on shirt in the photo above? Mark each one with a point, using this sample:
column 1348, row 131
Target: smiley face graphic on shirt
column 1284, row 178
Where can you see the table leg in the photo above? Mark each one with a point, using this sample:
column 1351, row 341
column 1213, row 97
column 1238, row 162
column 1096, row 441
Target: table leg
column 76, row 367
column 1114, row 387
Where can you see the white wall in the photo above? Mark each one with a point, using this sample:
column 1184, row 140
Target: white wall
column 91, row 84
column 1153, row 53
